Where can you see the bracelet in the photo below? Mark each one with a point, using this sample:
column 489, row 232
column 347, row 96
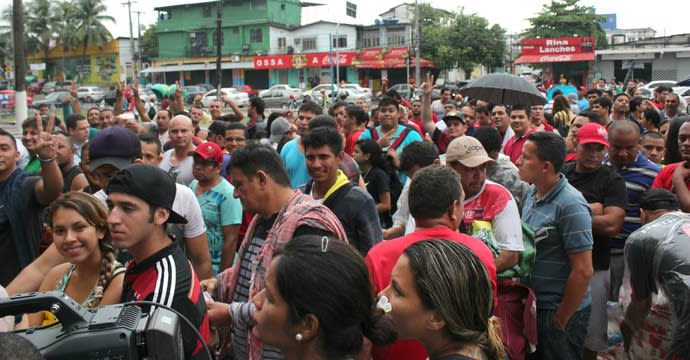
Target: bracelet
column 45, row 161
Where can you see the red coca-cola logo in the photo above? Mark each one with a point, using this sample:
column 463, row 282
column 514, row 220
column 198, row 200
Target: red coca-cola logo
column 556, row 58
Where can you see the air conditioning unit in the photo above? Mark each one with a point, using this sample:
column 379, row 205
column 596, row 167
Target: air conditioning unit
column 235, row 58
column 245, row 47
column 192, row 35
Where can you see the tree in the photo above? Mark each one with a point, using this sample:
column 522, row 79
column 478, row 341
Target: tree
column 565, row 18
column 459, row 40
column 89, row 29
column 40, row 20
column 65, row 27
column 149, row 44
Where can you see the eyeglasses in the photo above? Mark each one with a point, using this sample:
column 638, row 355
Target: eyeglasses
column 235, row 139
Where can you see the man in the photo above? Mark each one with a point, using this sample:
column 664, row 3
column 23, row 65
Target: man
column 490, row 214
column 93, row 115
column 354, row 207
column 483, row 116
column 584, row 117
column 470, row 116
column 140, row 200
column 502, row 170
column 672, row 107
column 562, row 223
column 416, row 117
column 605, row 192
column 436, row 204
column 281, row 133
column 339, row 113
column 107, row 117
column 660, row 94
column 653, row 146
column 592, row 94
column 537, row 119
column 501, row 121
column 262, row 185
column 415, row 157
column 78, row 128
column 674, row 177
column 216, row 134
column 390, row 135
column 355, row 125
column 216, row 110
column 522, row 127
column 222, row 213
column 293, row 151
column 31, row 135
column 178, row 161
column 620, row 107
column 658, row 258
column 602, row 107
column 196, row 113
column 439, row 106
column 254, row 120
column 236, row 136
column 23, row 199
column 638, row 172
column 442, row 133
column 163, row 118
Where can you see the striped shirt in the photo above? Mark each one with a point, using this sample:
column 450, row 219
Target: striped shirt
column 639, row 176
column 562, row 223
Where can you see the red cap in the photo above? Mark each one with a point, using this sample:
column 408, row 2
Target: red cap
column 210, row 151
column 593, row 133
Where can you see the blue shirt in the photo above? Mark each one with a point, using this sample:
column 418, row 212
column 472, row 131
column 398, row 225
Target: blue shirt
column 411, row 137
column 562, row 223
column 638, row 176
column 295, row 163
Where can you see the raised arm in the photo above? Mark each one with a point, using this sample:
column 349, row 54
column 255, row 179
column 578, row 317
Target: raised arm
column 141, row 109
column 236, row 109
column 119, row 98
column 49, row 187
column 427, row 114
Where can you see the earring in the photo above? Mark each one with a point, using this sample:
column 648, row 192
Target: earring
column 299, row 337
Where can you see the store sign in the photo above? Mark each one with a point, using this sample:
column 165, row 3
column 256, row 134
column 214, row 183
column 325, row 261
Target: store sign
column 557, row 46
column 303, row 60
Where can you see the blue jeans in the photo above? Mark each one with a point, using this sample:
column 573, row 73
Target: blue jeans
column 557, row 344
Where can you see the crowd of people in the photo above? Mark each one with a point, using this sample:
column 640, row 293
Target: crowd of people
column 412, row 229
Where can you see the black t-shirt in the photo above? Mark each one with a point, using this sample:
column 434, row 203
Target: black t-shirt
column 10, row 262
column 603, row 186
column 377, row 182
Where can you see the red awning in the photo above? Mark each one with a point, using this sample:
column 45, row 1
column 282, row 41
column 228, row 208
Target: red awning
column 526, row 59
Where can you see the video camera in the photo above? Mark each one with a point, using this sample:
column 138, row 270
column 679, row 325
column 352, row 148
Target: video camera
column 114, row 332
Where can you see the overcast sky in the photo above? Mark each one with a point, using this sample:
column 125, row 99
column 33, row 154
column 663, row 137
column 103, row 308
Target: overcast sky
column 511, row 15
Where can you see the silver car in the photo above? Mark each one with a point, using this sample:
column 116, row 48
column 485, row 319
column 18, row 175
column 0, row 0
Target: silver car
column 279, row 98
column 240, row 98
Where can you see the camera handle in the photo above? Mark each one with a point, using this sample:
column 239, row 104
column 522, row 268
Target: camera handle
column 70, row 314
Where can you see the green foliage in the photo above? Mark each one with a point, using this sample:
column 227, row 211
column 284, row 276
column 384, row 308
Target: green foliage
column 149, row 44
column 565, row 18
column 459, row 40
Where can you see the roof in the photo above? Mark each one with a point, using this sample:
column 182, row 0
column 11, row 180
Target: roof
column 325, row 22
column 180, row 3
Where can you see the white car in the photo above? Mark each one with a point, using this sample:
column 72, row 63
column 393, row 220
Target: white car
column 653, row 84
column 240, row 98
column 285, row 87
column 90, row 94
column 356, row 87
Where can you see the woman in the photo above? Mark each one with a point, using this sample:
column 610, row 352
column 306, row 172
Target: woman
column 330, row 310
column 369, row 157
column 562, row 114
column 91, row 276
column 448, row 311
column 650, row 120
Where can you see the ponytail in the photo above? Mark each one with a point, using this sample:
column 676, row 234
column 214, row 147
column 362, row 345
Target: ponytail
column 494, row 339
column 379, row 328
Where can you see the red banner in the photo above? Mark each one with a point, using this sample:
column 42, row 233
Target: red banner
column 299, row 61
column 558, row 46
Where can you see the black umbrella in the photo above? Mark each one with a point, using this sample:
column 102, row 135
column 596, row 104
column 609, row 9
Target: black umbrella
column 685, row 82
column 504, row 89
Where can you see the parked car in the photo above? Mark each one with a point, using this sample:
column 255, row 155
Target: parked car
column 405, row 90
column 329, row 88
column 208, row 87
column 53, row 99
column 49, row 87
column 351, row 96
column 283, row 87
column 356, row 87
column 110, row 97
column 248, row 89
column 8, row 100
column 193, row 91
column 90, row 94
column 5, row 84
column 240, row 98
column 64, row 85
column 654, row 84
column 279, row 98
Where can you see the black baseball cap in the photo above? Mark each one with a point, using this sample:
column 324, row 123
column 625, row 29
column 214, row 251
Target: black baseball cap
column 657, row 199
column 114, row 146
column 148, row 183
column 454, row 115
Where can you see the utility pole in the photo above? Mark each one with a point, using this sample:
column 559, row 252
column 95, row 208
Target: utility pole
column 417, row 70
column 19, row 62
column 219, row 46
column 139, row 39
column 131, row 37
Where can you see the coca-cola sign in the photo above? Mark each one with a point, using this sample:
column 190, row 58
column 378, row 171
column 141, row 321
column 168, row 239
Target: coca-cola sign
column 299, row 61
column 556, row 58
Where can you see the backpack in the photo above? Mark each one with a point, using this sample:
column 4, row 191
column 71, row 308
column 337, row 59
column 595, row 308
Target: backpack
column 394, row 183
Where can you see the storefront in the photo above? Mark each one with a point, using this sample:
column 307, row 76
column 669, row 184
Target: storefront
column 561, row 59
column 396, row 64
column 307, row 70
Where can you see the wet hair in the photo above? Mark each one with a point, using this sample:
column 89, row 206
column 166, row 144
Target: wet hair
column 71, row 120
column 549, row 147
column 151, row 139
column 322, row 120
column 372, row 148
column 361, row 116
column 254, row 157
column 95, row 213
column 672, row 154
column 334, row 287
column 653, row 117
column 323, row 136
column 387, row 101
column 310, row 107
column 489, row 137
column 418, row 153
column 463, row 298
column 432, row 191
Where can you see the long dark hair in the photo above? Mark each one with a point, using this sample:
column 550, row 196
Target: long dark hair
column 328, row 278
column 372, row 148
column 672, row 154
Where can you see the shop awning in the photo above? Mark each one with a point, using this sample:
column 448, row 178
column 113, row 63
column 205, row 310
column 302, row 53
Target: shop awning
column 531, row 59
column 194, row 67
column 390, row 63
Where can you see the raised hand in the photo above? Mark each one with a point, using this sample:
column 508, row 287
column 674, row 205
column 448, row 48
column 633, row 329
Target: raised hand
column 428, row 84
column 45, row 147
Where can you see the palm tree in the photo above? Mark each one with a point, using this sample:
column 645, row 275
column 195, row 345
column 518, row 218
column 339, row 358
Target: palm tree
column 89, row 28
column 40, row 21
column 65, row 26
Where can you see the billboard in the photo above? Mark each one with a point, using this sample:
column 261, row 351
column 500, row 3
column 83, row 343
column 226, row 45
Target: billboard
column 610, row 23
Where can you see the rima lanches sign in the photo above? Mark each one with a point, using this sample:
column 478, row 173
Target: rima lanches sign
column 557, row 49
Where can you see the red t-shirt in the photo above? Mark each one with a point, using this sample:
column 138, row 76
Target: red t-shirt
column 664, row 179
column 382, row 258
column 350, row 141
column 514, row 146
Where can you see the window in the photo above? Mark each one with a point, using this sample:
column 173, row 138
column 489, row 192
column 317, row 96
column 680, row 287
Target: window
column 207, row 11
column 235, row 30
column 350, row 9
column 256, row 35
column 308, row 44
column 258, row 4
column 340, row 41
column 165, row 15
column 282, row 43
